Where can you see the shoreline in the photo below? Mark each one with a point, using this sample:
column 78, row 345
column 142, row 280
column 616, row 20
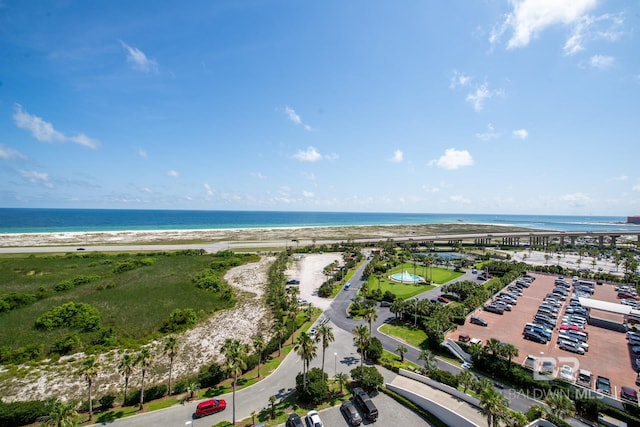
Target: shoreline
column 317, row 234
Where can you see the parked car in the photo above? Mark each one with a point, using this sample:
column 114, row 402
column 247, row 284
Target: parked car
column 629, row 394
column 566, row 372
column 443, row 300
column 478, row 321
column 493, row 309
column 350, row 412
column 209, row 407
column 313, row 419
column 584, row 378
column 503, row 305
column 603, row 385
column 367, row 406
column 532, row 336
column 294, row 420
column 569, row 346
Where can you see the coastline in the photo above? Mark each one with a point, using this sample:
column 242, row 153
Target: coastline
column 306, row 234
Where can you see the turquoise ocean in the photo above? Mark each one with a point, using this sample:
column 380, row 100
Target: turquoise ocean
column 19, row 220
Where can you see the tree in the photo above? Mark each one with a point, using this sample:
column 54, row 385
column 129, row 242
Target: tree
column 192, row 387
column 125, row 368
column 494, row 406
column 325, row 335
column 171, row 349
column 234, row 353
column 370, row 315
column 272, row 401
column 516, row 419
column 465, row 378
column 280, row 334
column 306, row 349
column 61, row 414
column 401, row 350
column 144, row 361
column 361, row 340
column 368, row 377
column 342, row 378
column 429, row 360
column 259, row 345
column 560, row 404
column 494, row 347
column 89, row 370
column 510, row 351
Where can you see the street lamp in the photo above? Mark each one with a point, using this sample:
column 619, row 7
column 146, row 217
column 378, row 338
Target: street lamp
column 335, row 364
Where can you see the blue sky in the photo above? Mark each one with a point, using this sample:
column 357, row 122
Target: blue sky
column 488, row 106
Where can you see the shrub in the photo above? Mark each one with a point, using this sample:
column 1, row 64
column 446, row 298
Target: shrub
column 152, row 393
column 367, row 377
column 444, row 377
column 178, row 320
column 106, row 401
column 73, row 315
column 22, row 413
column 317, row 388
column 374, row 350
column 211, row 375
column 66, row 344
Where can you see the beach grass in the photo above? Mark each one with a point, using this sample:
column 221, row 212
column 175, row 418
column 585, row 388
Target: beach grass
column 133, row 303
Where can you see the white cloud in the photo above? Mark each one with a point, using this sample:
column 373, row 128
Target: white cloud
column 7, row 153
column 295, row 118
column 37, row 177
column 604, row 27
column 142, row 153
column 478, row 98
column 258, row 175
column 139, row 60
column 530, row 17
column 576, row 199
column 210, row 191
column 173, row 173
column 489, row 135
column 331, row 156
column 397, row 156
column 308, row 155
column 308, row 194
column 44, row 131
column 459, row 79
column 520, row 134
column 618, row 178
column 460, row 199
column 635, row 187
column 601, row 61
column 453, row 159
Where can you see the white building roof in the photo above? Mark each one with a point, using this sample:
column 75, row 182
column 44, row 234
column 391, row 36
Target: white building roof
column 611, row 307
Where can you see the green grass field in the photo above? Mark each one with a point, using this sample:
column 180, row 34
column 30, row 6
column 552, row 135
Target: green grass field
column 408, row 290
column 134, row 303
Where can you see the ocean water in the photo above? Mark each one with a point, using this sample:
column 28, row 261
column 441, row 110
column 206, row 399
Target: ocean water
column 17, row 220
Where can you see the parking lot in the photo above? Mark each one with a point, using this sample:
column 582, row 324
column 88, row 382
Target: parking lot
column 390, row 413
column 609, row 354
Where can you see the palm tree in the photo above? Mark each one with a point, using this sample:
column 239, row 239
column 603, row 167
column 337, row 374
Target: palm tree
column 465, row 379
column 259, row 345
column 171, row 349
column 429, row 360
column 192, row 387
column 144, row 360
column 342, row 378
column 234, row 352
column 89, row 370
column 397, row 307
column 517, row 419
column 325, row 335
column 510, row 351
column 280, row 332
column 306, row 349
column 494, row 406
column 272, row 401
column 401, row 350
column 125, row 368
column 370, row 315
column 291, row 315
column 61, row 414
column 361, row 340
column 560, row 404
column 494, row 347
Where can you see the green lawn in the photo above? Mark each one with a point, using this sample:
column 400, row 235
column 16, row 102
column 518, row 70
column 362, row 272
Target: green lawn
column 413, row 336
column 407, row 290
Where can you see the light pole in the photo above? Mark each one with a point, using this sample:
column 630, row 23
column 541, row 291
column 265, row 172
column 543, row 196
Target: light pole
column 335, row 364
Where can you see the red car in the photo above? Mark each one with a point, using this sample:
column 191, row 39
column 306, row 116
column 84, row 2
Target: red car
column 210, row 406
column 571, row 328
column 628, row 296
column 443, row 299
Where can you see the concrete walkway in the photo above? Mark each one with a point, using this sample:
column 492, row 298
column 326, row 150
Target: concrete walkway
column 455, row 405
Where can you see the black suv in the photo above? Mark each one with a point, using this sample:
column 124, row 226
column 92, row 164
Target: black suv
column 294, row 421
column 367, row 407
column 478, row 321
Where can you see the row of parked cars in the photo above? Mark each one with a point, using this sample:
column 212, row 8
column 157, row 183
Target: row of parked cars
column 509, row 296
column 350, row 409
